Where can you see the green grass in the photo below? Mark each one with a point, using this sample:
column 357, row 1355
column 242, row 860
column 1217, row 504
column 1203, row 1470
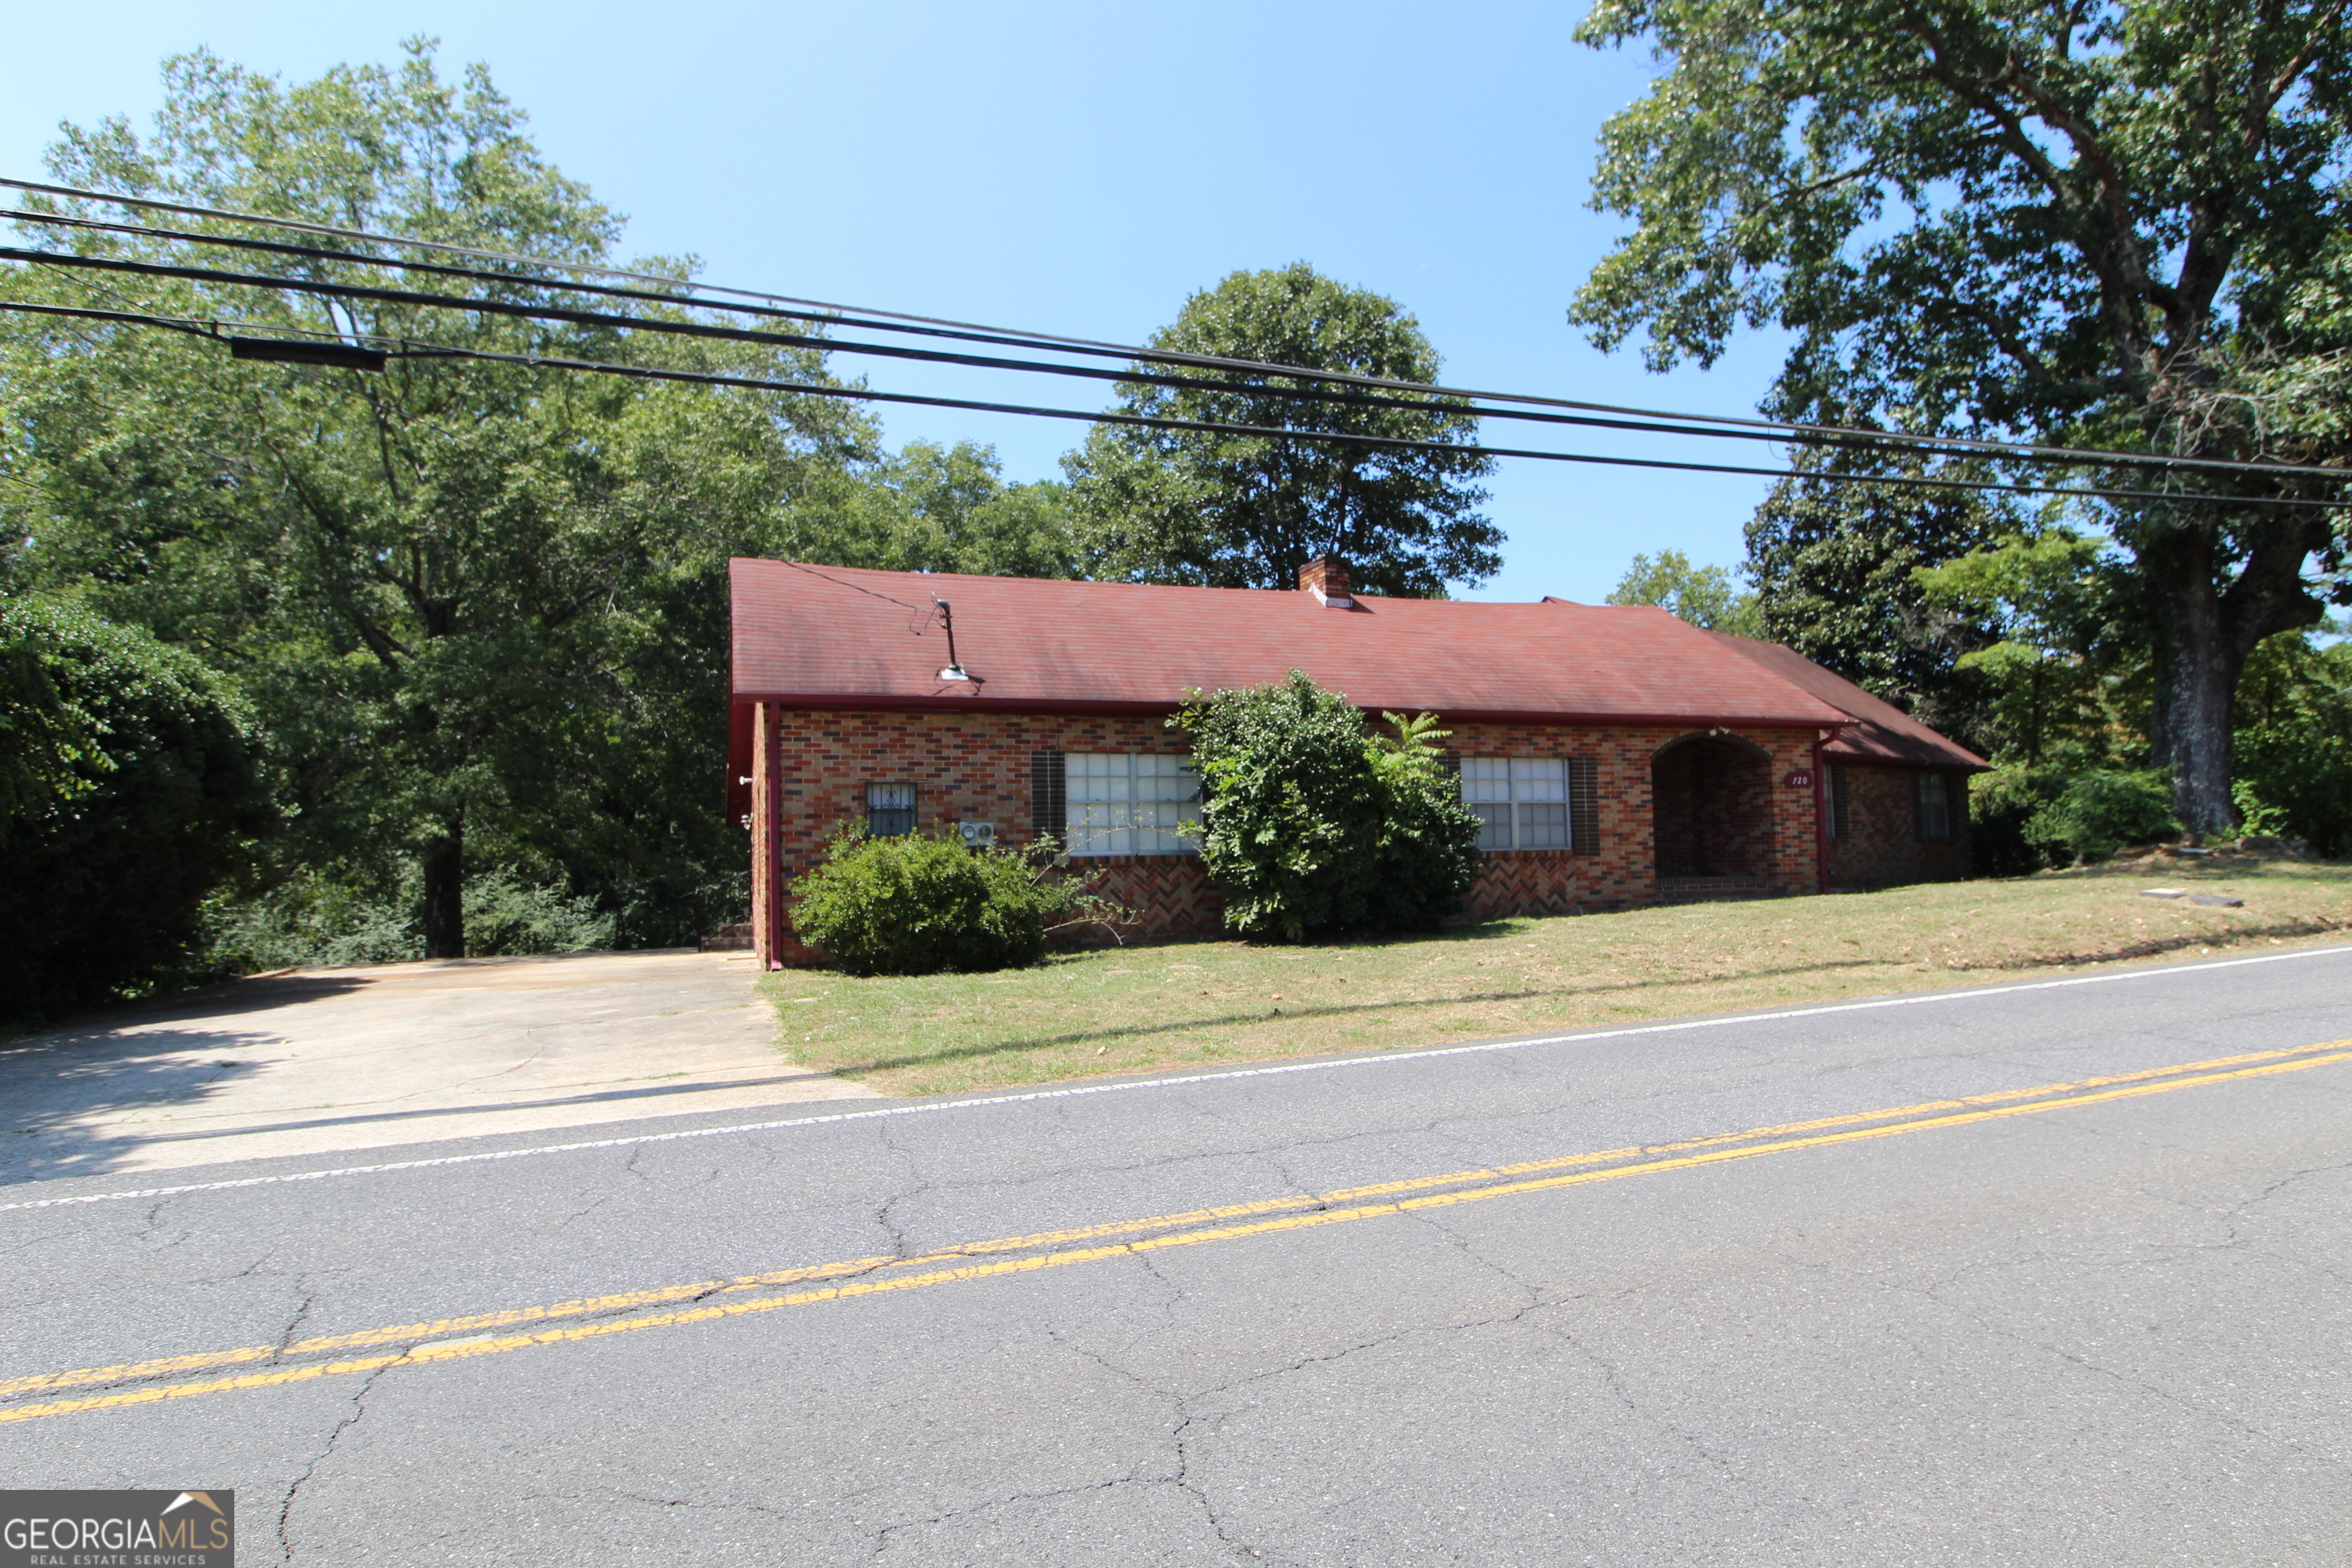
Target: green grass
column 1141, row 1009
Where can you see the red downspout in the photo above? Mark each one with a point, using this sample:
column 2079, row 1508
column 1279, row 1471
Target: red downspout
column 1821, row 812
column 771, row 759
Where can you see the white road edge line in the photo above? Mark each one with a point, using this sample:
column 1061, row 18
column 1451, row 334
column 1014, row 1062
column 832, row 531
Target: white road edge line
column 1129, row 1086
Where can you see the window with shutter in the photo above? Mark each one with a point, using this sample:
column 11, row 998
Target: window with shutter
column 1584, row 804
column 1522, row 801
column 1046, row 797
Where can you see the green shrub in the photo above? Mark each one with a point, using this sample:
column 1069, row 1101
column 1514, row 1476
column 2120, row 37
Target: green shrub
column 1429, row 839
column 507, row 913
column 922, row 902
column 1310, row 826
column 130, row 791
column 2002, row 804
column 2103, row 809
column 313, row 918
column 2294, row 742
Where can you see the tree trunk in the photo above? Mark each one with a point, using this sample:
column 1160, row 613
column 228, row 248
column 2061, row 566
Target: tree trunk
column 2197, row 682
column 2207, row 631
column 445, row 893
column 2204, row 683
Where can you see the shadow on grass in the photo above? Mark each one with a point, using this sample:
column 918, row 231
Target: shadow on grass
column 2147, row 949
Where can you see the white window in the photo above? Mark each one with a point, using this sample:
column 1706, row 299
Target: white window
column 1129, row 802
column 1523, row 801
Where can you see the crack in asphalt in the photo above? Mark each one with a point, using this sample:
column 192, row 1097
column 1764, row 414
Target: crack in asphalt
column 882, row 1542
column 301, row 1314
column 286, row 1508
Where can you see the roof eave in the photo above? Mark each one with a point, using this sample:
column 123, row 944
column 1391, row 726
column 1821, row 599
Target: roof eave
column 846, row 702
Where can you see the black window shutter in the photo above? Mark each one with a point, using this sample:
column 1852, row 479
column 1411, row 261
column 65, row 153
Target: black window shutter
column 1840, row 813
column 1048, row 796
column 1918, row 805
column 1583, row 806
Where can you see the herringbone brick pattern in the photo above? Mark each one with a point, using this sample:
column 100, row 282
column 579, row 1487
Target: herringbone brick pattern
column 1169, row 894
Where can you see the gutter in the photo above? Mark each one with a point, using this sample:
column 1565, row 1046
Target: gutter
column 948, row 703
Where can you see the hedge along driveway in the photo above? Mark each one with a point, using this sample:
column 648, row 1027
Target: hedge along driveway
column 1141, row 1009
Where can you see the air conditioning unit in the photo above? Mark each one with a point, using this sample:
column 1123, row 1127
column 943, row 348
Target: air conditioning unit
column 978, row 835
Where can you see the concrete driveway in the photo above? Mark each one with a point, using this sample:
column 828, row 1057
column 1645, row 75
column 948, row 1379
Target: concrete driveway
column 322, row 1060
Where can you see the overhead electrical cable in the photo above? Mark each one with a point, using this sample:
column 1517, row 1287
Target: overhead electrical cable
column 703, row 329
column 892, row 320
column 409, row 349
column 835, row 345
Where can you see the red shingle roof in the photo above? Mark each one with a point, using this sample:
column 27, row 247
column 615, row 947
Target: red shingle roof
column 839, row 637
column 1883, row 734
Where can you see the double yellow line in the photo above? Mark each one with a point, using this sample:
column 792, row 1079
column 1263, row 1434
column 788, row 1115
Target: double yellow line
column 427, row 1342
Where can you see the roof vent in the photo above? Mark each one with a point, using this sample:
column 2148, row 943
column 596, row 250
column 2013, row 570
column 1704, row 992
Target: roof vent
column 1325, row 577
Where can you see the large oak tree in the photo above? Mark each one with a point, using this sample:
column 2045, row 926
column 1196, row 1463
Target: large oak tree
column 2118, row 222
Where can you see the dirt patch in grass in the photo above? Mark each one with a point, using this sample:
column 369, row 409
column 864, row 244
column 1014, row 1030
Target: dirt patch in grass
column 1142, row 1010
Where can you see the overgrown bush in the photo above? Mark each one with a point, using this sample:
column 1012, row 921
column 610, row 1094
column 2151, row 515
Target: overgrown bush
column 314, row 919
column 1429, row 838
column 920, row 902
column 2001, row 804
column 130, row 790
column 507, row 913
column 2100, row 811
column 1308, row 825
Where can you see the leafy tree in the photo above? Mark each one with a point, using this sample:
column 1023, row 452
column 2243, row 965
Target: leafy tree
column 1703, row 596
column 2121, row 224
column 479, row 606
column 1308, row 826
column 2295, row 741
column 2062, row 679
column 1834, row 564
column 930, row 508
column 1248, row 512
column 134, row 787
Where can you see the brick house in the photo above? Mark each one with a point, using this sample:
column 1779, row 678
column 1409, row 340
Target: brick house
column 1618, row 755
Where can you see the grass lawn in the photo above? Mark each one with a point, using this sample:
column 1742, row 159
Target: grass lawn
column 1141, row 1009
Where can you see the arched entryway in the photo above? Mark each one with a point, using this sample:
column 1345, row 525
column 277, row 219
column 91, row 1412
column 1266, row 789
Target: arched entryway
column 1711, row 797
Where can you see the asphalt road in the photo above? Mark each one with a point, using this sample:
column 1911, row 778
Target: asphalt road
column 2046, row 1274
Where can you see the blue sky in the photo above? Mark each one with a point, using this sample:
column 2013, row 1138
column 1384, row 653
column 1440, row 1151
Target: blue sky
column 1073, row 168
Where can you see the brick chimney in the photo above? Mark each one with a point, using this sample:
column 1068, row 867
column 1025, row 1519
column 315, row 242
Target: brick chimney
column 1325, row 577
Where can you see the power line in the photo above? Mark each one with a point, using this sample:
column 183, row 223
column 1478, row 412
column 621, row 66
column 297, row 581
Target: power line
column 829, row 344
column 1875, row 442
column 702, row 330
column 893, row 321
column 410, row 349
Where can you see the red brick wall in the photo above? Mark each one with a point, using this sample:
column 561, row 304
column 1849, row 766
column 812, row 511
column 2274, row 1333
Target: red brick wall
column 810, row 769
column 1881, row 847
column 1623, row 870
column 1713, row 809
column 965, row 767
